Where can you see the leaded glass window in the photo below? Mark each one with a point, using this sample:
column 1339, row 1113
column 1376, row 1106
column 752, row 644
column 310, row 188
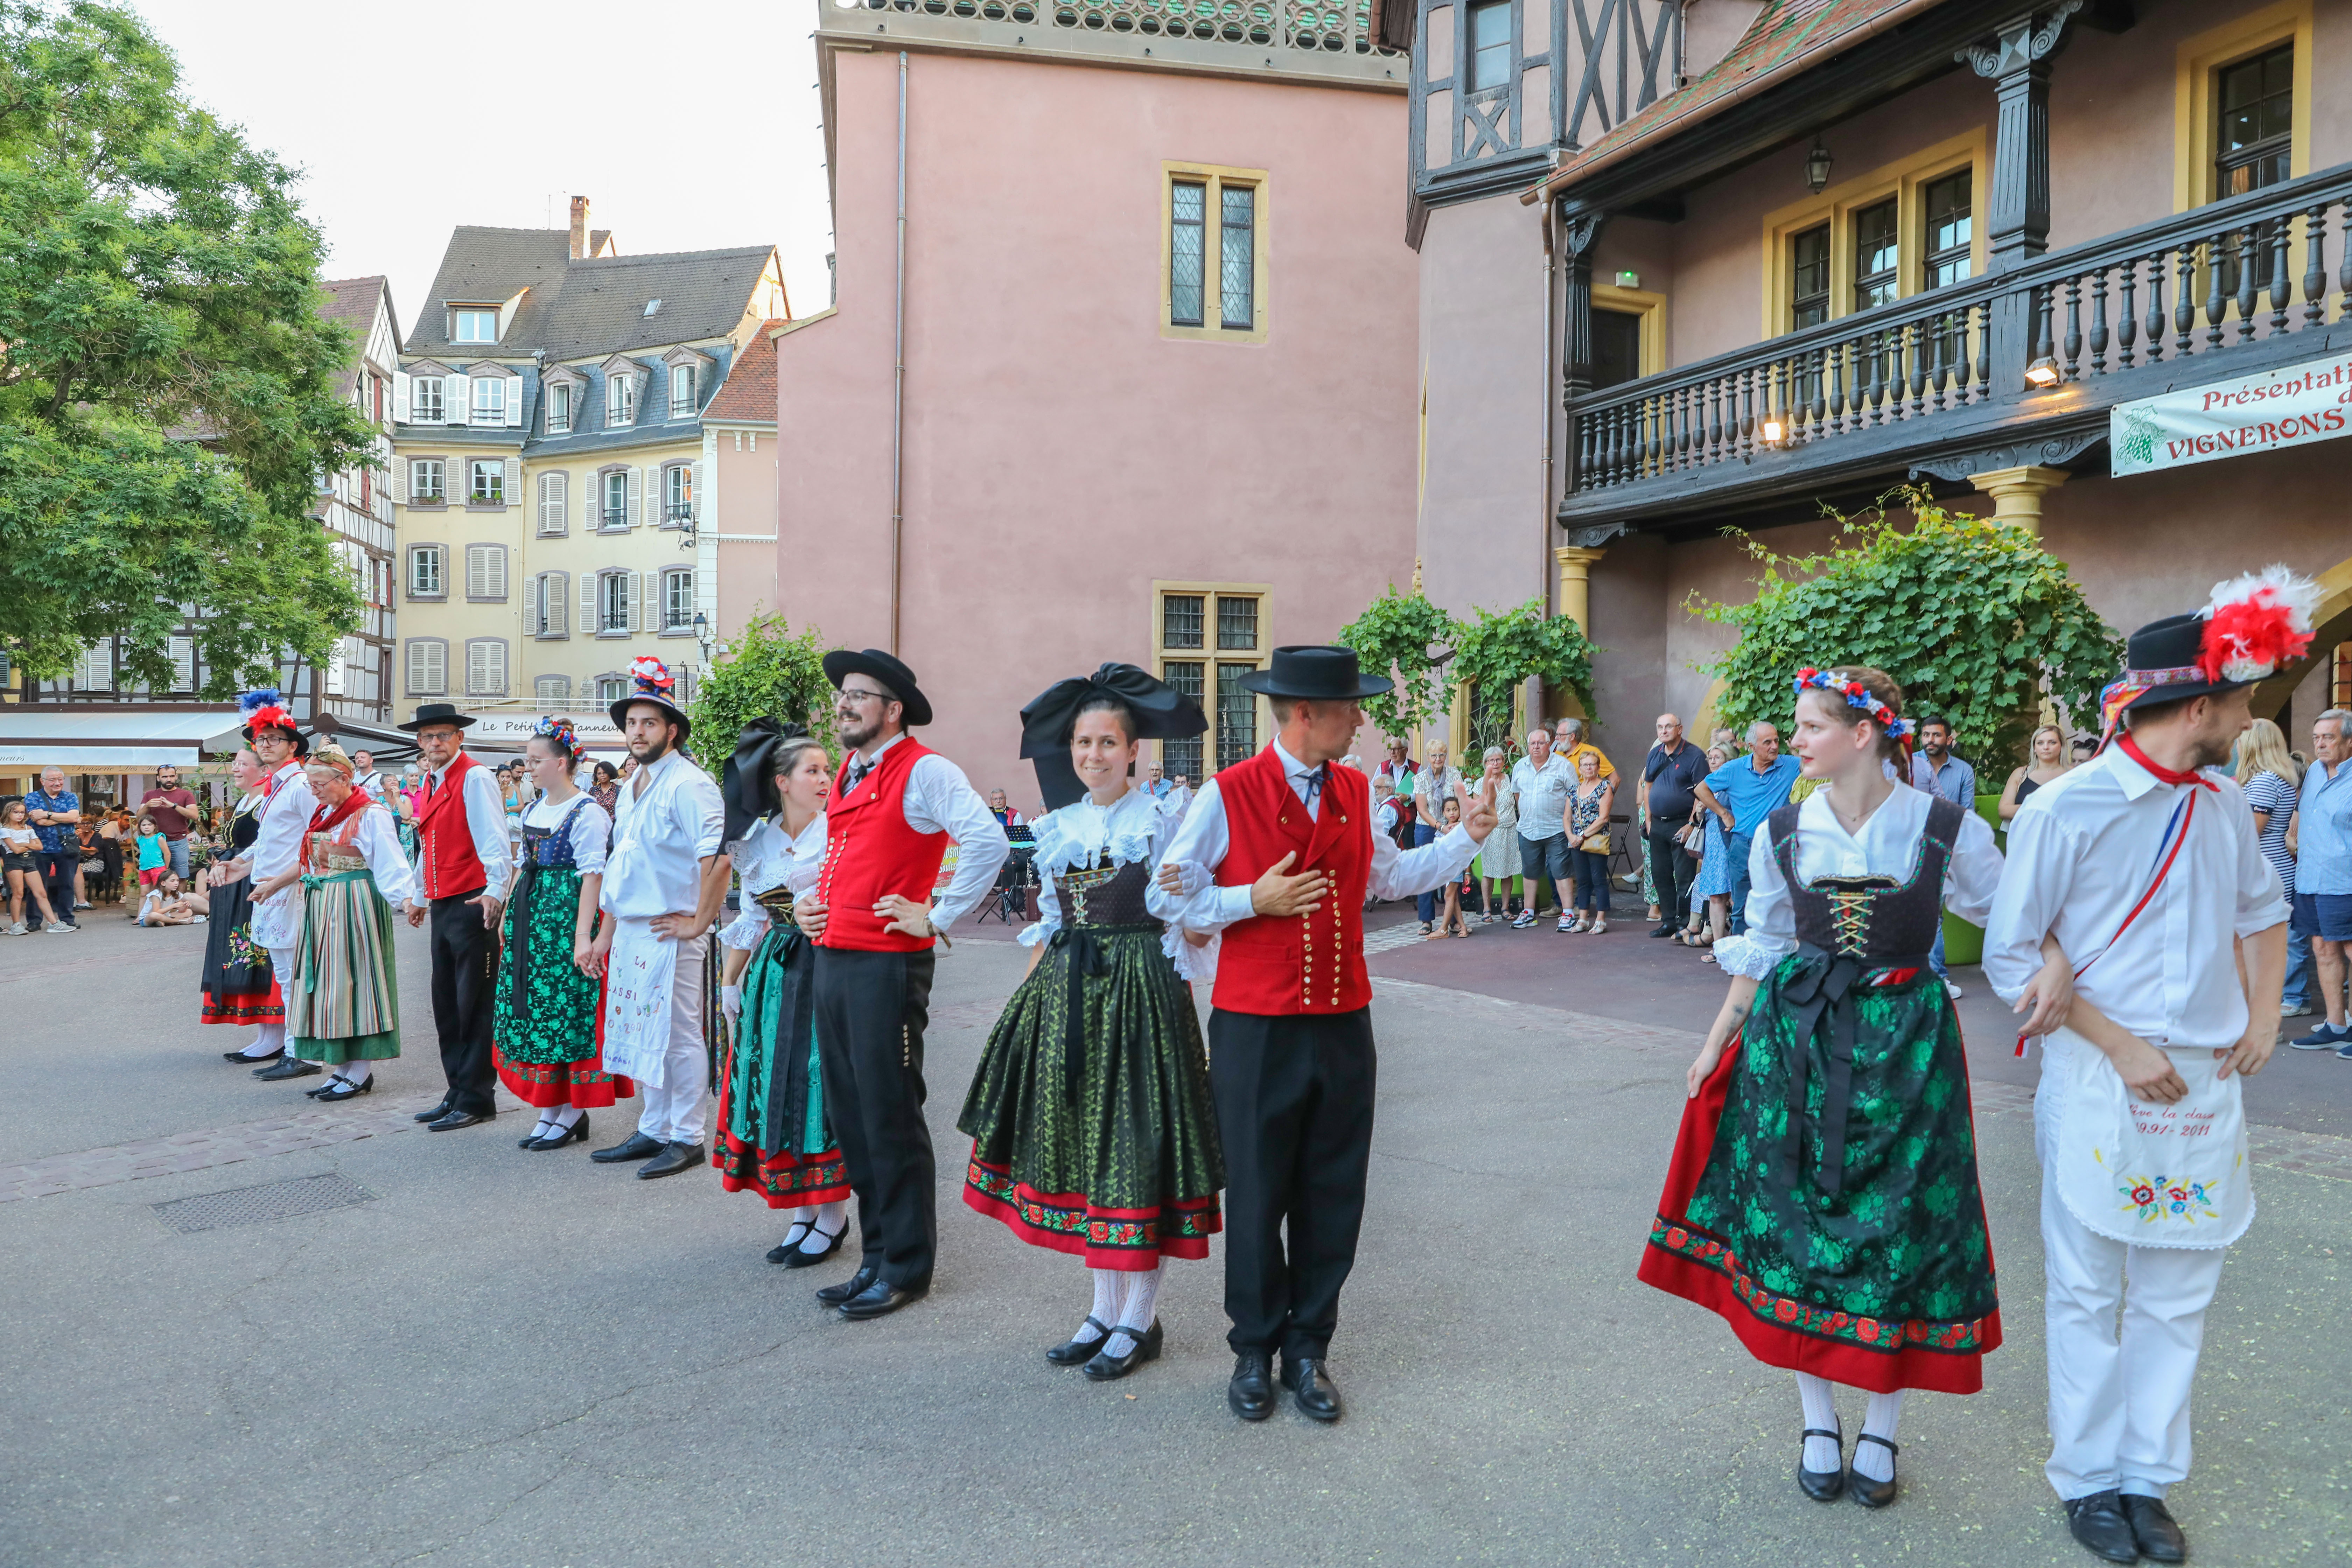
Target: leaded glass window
column 1237, row 246
column 1808, row 277
column 1183, row 757
column 1187, row 251
column 1181, row 621
column 1237, row 715
column 1236, row 623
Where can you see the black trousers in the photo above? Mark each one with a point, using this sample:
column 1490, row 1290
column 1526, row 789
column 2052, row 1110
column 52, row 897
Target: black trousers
column 57, row 868
column 1295, row 1111
column 871, row 1010
column 464, row 985
column 1672, row 870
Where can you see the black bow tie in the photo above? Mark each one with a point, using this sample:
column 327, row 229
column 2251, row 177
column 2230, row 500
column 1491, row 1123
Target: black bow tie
column 1314, row 779
column 857, row 770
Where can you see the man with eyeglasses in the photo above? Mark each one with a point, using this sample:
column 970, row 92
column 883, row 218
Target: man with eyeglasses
column 895, row 807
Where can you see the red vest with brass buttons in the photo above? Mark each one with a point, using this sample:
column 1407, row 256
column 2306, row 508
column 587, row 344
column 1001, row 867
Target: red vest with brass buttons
column 1299, row 964
column 871, row 850
column 445, row 838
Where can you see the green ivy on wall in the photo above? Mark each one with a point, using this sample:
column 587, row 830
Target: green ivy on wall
column 1403, row 637
column 766, row 671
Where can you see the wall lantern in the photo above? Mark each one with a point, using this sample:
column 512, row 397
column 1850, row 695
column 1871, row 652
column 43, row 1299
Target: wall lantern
column 1817, row 165
column 1773, row 429
column 2043, row 372
column 702, row 633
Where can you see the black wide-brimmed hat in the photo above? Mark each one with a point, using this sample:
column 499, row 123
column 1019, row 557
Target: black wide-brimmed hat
column 1161, row 714
column 651, row 681
column 747, row 782
column 1320, row 673
column 438, row 713
column 895, row 677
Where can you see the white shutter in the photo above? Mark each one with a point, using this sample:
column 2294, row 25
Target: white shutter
column 698, row 491
column 496, row 569
column 400, row 396
column 636, row 494
column 457, row 394
column 400, row 479
column 514, row 401
column 559, row 603
column 589, row 623
column 640, row 593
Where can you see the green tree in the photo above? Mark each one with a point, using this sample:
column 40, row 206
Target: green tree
column 1496, row 651
column 766, row 672
column 1971, row 618
column 1399, row 635
column 168, row 394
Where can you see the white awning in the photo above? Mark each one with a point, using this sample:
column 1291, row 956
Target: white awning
column 113, row 741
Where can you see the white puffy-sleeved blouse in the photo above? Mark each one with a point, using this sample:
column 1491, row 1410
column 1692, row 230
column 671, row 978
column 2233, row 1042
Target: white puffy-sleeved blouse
column 590, row 832
column 766, row 860
column 1133, row 828
column 1887, row 846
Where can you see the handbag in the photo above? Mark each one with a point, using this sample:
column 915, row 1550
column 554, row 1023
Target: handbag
column 1595, row 842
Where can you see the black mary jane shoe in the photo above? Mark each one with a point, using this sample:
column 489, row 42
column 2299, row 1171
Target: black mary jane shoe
column 1867, row 1492
column 2154, row 1530
column 529, row 1138
column 1077, row 1351
column 1821, row 1486
column 1251, row 1391
column 341, row 1087
column 803, row 1258
column 1108, row 1368
column 575, row 1134
column 253, row 1061
column 2099, row 1523
column 792, row 1239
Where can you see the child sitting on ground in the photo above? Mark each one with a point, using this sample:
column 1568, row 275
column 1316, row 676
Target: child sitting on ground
column 168, row 903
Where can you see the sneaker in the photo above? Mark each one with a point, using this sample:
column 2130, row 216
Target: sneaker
column 1951, row 990
column 2323, row 1038
column 62, row 929
column 2344, row 1053
column 1566, row 924
column 2290, row 1008
column 1522, row 920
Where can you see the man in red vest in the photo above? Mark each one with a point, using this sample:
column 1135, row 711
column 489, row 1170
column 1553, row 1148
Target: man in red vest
column 895, row 807
column 462, row 862
column 1279, row 853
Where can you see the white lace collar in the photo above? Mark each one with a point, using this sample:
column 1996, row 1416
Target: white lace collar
column 1075, row 834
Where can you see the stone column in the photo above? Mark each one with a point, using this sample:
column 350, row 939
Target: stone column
column 2016, row 496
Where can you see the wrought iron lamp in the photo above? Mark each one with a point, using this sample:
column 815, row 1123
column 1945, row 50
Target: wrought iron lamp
column 702, row 633
column 1817, row 165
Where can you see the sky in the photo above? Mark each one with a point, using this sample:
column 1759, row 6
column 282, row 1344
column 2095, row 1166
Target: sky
column 410, row 118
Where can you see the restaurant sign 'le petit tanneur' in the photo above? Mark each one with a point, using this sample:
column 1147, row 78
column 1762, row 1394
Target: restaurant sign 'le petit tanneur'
column 2288, row 407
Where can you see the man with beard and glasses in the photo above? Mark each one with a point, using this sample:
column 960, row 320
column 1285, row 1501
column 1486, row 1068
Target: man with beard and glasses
column 664, row 884
column 462, row 864
column 895, row 807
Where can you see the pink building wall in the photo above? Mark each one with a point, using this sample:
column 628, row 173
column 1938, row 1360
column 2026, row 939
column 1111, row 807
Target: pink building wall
column 1061, row 455
column 747, row 567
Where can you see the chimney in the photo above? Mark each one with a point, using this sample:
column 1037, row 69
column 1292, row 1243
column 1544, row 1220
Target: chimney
column 580, row 228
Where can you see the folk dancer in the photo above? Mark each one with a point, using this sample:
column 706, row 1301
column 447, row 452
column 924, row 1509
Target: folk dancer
column 893, row 812
column 1823, row 1196
column 2143, row 866
column 775, row 1138
column 343, row 1009
column 1092, row 1125
column 462, row 862
column 1277, row 854
column 237, row 985
column 276, row 923
column 664, row 884
column 545, row 1036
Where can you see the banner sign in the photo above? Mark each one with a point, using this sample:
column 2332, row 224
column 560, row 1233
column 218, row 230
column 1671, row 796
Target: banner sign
column 504, row 726
column 2268, row 413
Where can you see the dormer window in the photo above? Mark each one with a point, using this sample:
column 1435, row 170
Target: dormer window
column 489, row 400
column 473, row 326
column 620, row 400
column 559, row 408
column 681, row 391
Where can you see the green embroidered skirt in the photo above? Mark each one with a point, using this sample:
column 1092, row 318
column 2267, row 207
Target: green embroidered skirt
column 1881, row 1277
column 773, row 1139
column 547, row 1033
column 346, row 1001
column 1093, row 1131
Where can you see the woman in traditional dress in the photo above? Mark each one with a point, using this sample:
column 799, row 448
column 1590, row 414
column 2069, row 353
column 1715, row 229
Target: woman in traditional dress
column 1824, row 1194
column 546, row 1019
column 773, row 1139
column 238, row 987
column 345, row 1009
column 1093, row 1130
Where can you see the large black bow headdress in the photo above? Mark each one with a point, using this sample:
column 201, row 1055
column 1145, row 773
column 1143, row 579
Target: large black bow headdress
column 1161, row 714
column 748, row 781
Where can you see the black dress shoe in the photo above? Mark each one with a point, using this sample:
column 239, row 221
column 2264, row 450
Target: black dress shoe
column 1311, row 1388
column 341, row 1087
column 1821, row 1486
column 458, row 1118
column 1867, row 1492
column 2154, row 1531
column 2098, row 1522
column 575, row 1134
column 803, row 1258
column 850, row 1289
column 637, row 1147
column 292, row 1066
column 880, row 1300
column 1077, row 1353
column 436, row 1114
column 252, row 1061
column 1251, row 1393
column 1108, row 1368
column 674, row 1158
column 1666, row 929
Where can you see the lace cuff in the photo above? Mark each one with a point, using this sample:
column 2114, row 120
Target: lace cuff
column 1197, row 964
column 1746, row 956
column 744, row 931
column 1037, row 933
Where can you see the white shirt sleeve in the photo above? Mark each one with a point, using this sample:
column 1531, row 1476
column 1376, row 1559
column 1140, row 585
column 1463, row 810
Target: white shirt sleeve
column 1202, row 840
column 2034, row 883
column 1399, row 873
column 379, row 840
column 486, row 824
column 1771, row 933
column 939, row 799
column 1972, row 877
column 591, row 836
column 701, row 806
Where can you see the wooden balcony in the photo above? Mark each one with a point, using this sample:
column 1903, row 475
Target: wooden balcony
column 2020, row 366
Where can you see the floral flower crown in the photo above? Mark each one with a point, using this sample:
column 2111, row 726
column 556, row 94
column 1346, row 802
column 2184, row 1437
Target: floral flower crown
column 651, row 676
column 560, row 731
column 1856, row 695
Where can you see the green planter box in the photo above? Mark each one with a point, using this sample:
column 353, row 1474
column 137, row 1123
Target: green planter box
column 1964, row 942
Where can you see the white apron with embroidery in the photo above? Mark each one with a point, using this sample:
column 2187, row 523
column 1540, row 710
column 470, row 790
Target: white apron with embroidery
column 2148, row 1174
column 276, row 921
column 641, row 974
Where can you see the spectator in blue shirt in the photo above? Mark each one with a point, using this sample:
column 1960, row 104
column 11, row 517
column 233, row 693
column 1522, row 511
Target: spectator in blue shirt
column 55, row 813
column 2323, row 873
column 1742, row 794
column 1936, row 770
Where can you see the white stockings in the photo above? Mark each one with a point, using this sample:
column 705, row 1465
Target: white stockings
column 1872, row 1460
column 270, row 1042
column 1137, row 1302
column 825, row 1222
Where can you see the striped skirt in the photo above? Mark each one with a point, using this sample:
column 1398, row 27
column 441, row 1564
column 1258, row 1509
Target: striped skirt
column 345, row 1003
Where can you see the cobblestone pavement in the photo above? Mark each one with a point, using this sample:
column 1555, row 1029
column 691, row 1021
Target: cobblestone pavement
column 528, row 1361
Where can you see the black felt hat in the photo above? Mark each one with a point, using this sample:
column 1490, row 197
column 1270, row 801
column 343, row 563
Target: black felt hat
column 2164, row 659
column 747, row 781
column 1319, row 673
column 895, row 677
column 438, row 713
column 1161, row 714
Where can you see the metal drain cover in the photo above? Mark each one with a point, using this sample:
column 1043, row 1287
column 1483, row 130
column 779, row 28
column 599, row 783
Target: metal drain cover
column 254, row 1205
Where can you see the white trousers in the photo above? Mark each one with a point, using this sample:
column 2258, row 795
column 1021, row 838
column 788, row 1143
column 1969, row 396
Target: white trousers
column 674, row 1112
column 2118, row 1400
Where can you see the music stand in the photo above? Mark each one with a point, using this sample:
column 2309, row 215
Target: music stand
column 1009, row 898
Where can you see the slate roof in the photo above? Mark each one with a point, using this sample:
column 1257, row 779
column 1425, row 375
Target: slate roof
column 491, row 265
column 352, row 301
column 749, row 393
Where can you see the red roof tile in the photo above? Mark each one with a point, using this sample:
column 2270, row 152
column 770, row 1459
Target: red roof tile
column 750, row 393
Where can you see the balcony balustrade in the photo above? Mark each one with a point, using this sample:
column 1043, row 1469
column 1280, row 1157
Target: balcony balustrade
column 1334, row 26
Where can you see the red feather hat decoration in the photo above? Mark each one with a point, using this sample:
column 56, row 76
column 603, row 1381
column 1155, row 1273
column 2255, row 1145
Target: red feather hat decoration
column 2257, row 623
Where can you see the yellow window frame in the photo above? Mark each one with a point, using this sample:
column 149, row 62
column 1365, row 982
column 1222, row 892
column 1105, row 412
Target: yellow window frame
column 1209, row 656
column 2200, row 58
column 1905, row 179
column 1216, row 176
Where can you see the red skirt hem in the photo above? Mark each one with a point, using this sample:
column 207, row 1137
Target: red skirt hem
column 1132, row 1239
column 550, row 1084
column 245, row 1006
column 743, row 1168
